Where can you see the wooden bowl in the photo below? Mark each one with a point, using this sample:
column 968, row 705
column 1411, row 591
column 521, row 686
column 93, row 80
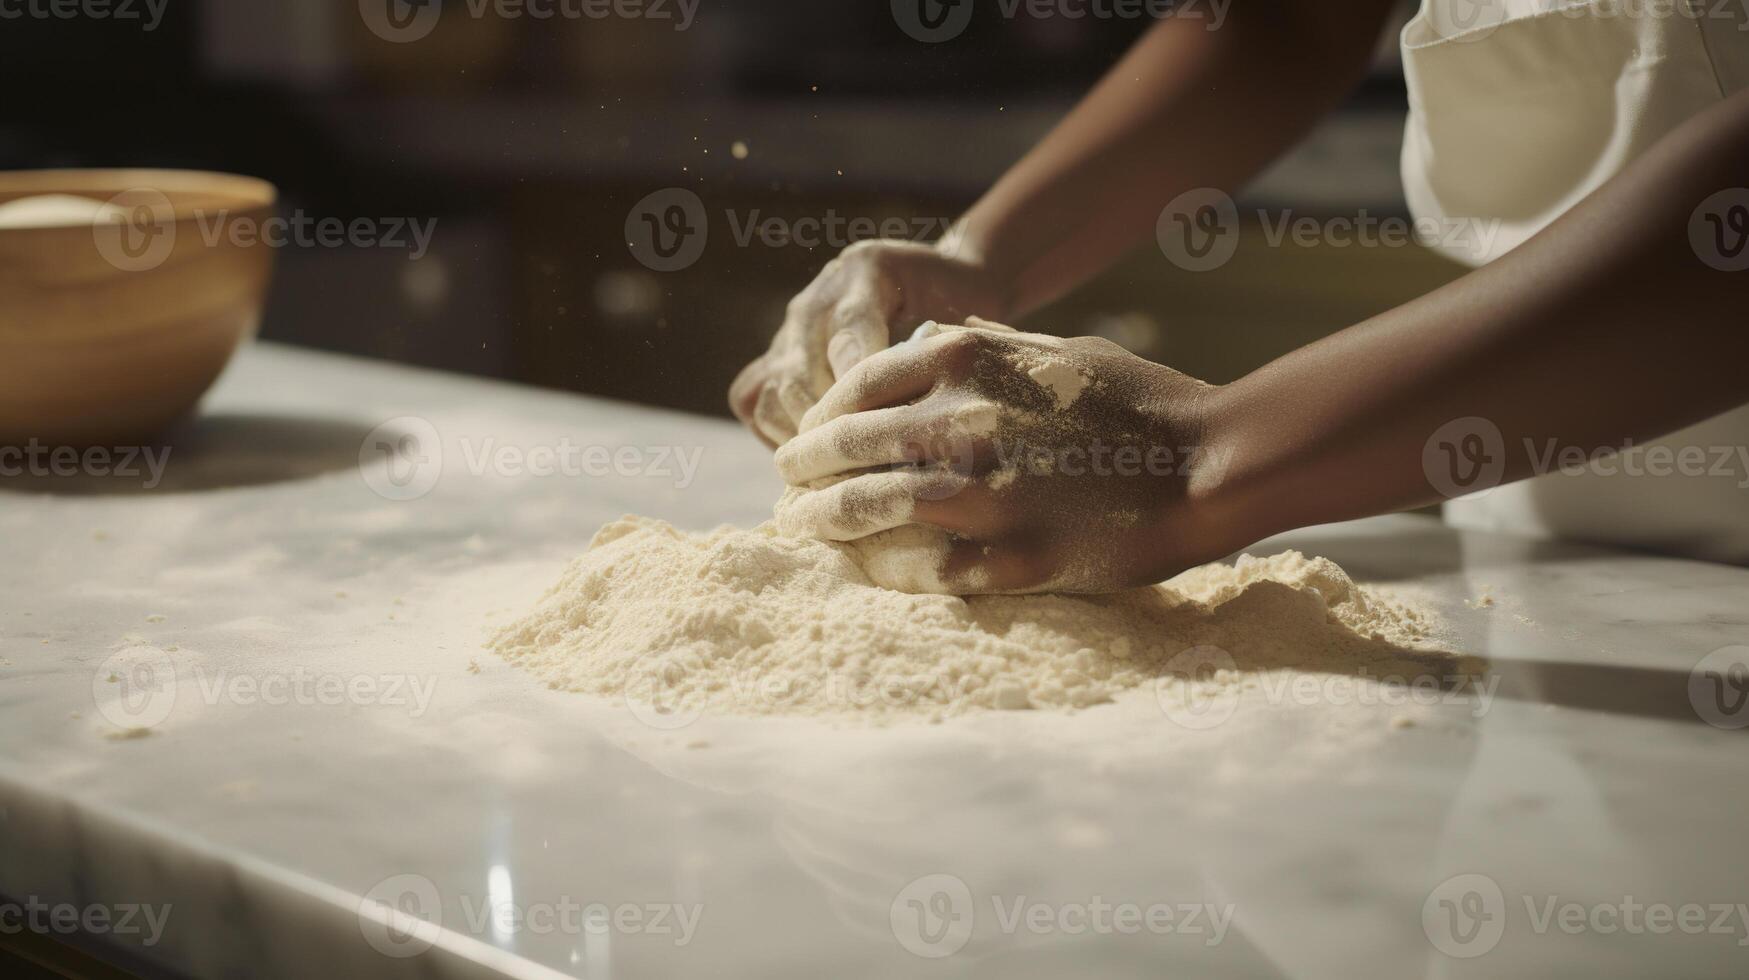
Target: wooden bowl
column 113, row 330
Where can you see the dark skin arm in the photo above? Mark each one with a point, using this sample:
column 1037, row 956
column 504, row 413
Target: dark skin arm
column 1185, row 108
column 1605, row 326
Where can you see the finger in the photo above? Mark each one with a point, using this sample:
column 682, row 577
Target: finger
column 793, row 396
column 854, row 442
column 937, row 430
column 981, row 567
column 844, row 351
column 861, row 318
column 924, row 331
column 890, row 377
column 769, row 418
column 979, row 323
column 970, row 509
column 865, row 505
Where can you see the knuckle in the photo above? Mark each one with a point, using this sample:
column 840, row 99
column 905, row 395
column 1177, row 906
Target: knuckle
column 853, row 313
column 1094, row 345
column 767, row 404
column 963, row 349
column 845, row 441
column 872, row 256
column 962, row 341
column 841, row 509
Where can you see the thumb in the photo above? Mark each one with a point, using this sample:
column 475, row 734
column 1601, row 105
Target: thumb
column 979, row 323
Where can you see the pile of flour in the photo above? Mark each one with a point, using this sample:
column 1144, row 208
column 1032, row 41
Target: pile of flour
column 751, row 622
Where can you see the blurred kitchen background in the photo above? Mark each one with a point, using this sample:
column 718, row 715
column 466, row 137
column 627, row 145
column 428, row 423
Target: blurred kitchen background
column 528, row 140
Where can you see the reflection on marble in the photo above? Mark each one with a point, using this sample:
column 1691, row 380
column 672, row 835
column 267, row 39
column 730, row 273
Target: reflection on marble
column 1318, row 837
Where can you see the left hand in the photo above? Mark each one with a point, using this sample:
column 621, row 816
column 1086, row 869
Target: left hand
column 1052, row 465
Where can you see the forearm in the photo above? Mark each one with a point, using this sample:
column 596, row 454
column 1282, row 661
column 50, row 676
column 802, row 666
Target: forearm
column 1604, row 327
column 1187, row 107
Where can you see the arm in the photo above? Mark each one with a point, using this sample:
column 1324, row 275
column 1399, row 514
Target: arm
column 1187, row 107
column 1605, row 326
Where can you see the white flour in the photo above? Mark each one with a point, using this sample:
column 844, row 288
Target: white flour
column 1062, row 379
column 750, row 622
column 875, row 518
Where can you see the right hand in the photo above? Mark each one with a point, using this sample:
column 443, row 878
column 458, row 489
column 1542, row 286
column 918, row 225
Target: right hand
column 1046, row 464
column 853, row 308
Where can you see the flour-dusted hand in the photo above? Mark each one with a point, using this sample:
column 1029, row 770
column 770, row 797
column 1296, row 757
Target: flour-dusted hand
column 1047, row 464
column 873, row 293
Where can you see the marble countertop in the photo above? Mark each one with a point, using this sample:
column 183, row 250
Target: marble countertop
column 247, row 711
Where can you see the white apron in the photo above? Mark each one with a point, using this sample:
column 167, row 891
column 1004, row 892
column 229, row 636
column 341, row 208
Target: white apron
column 1517, row 110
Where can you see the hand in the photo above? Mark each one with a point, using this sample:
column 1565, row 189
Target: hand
column 851, row 310
column 1046, row 464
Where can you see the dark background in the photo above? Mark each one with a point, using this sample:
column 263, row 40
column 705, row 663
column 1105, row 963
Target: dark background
column 529, row 140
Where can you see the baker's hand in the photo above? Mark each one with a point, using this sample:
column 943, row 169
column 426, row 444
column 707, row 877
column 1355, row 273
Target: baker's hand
column 871, row 292
column 1050, row 465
